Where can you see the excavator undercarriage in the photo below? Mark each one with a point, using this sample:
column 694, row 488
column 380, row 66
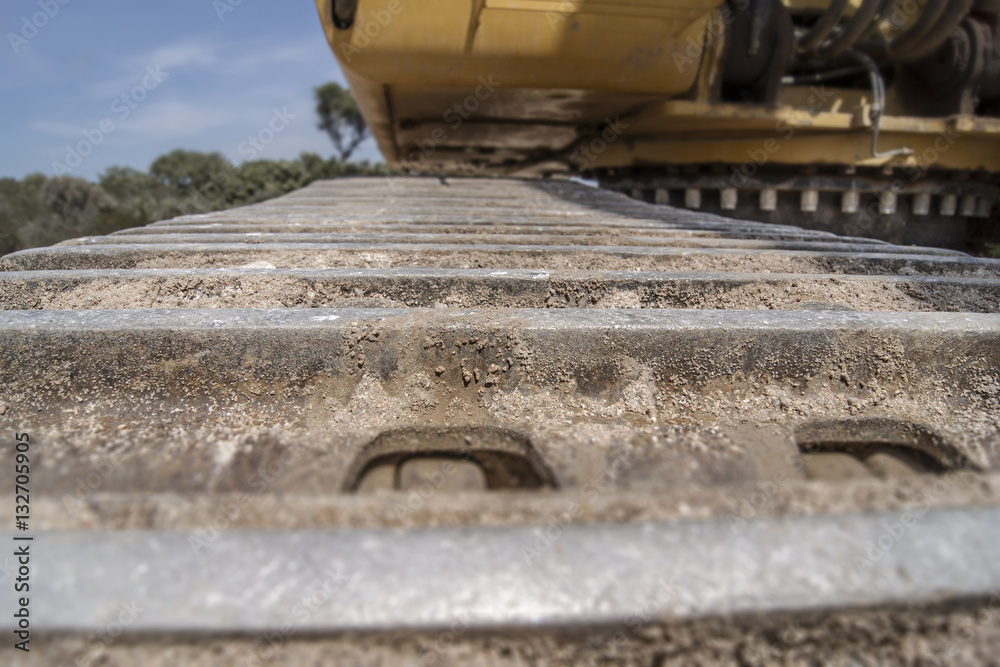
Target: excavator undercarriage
column 871, row 117
column 450, row 420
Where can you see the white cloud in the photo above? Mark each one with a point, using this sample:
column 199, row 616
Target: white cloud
column 57, row 129
column 187, row 53
column 176, row 120
column 257, row 59
column 201, row 52
column 291, row 142
column 219, row 91
column 119, row 85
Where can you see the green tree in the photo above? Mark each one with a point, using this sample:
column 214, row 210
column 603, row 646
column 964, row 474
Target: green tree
column 188, row 171
column 128, row 183
column 340, row 118
column 38, row 210
column 140, row 199
column 13, row 213
column 258, row 180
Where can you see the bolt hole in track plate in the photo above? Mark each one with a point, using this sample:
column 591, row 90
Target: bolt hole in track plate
column 844, row 450
column 448, row 459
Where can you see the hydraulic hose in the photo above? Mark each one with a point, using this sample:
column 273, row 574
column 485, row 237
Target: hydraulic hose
column 919, row 30
column 825, row 24
column 859, row 24
column 954, row 15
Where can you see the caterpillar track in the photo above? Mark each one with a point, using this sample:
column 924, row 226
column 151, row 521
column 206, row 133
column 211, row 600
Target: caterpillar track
column 503, row 422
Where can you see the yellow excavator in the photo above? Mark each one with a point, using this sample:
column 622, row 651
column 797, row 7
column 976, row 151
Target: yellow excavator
column 448, row 421
column 863, row 117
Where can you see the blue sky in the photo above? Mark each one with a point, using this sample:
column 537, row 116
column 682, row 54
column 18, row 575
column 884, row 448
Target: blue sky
column 133, row 80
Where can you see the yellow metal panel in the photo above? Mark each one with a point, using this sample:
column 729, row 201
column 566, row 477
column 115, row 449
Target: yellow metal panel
column 682, row 116
column 562, row 63
column 397, row 48
column 817, row 6
column 654, row 10
column 605, row 48
column 930, row 151
column 425, row 43
column 411, row 27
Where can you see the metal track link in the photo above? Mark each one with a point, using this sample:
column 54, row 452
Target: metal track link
column 902, row 206
column 489, row 421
